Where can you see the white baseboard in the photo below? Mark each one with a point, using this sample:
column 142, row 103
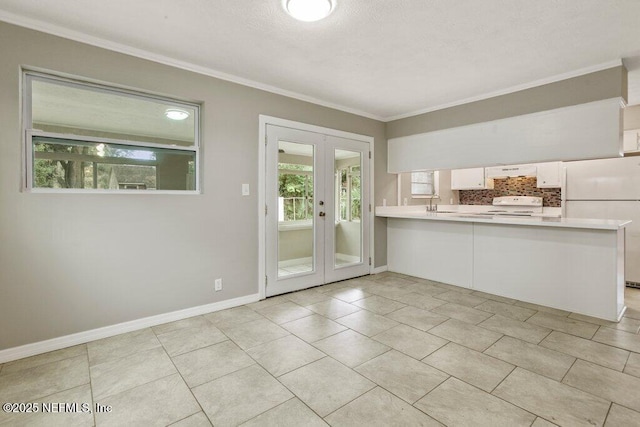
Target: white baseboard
column 120, row 328
column 378, row 270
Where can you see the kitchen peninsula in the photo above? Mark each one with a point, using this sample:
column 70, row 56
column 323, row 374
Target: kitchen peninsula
column 570, row 264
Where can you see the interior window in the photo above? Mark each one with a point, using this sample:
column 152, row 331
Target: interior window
column 424, row 184
column 82, row 136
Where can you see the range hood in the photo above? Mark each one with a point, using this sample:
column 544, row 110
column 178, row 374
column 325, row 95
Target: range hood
column 511, row 171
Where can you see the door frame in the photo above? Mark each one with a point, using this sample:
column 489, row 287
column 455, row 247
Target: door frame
column 265, row 120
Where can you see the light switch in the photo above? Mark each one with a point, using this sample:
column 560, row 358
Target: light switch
column 245, row 189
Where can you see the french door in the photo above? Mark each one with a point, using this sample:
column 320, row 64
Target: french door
column 317, row 213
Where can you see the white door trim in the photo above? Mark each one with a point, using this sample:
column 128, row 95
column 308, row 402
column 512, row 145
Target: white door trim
column 262, row 158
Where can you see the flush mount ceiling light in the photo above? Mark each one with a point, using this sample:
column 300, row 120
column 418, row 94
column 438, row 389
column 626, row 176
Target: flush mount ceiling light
column 176, row 114
column 309, row 10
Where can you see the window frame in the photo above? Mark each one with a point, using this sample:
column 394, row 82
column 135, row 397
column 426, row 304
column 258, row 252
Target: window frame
column 436, row 186
column 28, row 133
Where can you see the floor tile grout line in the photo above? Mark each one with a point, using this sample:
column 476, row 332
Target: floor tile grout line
column 355, row 398
column 400, row 351
column 505, row 377
column 328, row 336
column 295, row 369
column 190, row 389
column 435, row 387
column 138, row 385
column 298, row 397
column 623, row 405
column 369, row 360
column 499, row 397
column 466, row 382
column 608, row 412
column 626, row 362
column 277, row 406
column 584, row 391
column 479, row 389
column 57, row 391
column 395, row 395
column 229, row 373
column 91, row 391
column 545, row 337
column 86, row 352
column 512, row 403
column 110, row 360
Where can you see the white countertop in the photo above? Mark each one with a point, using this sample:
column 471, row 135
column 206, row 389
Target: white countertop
column 419, row 212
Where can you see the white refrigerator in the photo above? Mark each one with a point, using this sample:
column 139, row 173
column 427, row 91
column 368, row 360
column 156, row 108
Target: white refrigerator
column 608, row 189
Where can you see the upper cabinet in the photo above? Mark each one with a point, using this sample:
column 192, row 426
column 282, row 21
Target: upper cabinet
column 631, row 141
column 584, row 131
column 549, row 175
column 469, row 179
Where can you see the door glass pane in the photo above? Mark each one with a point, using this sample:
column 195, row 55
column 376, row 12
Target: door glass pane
column 295, row 209
column 348, row 198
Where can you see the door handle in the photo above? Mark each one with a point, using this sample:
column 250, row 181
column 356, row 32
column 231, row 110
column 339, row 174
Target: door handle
column 322, row 214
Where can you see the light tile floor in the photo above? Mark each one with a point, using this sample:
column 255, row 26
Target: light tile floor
column 378, row 350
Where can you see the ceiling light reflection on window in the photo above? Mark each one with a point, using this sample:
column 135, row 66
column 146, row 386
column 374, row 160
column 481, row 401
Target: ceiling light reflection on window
column 176, row 114
column 100, row 150
column 309, row 10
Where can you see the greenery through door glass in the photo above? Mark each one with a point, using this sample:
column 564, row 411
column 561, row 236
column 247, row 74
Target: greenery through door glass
column 350, row 194
column 295, row 189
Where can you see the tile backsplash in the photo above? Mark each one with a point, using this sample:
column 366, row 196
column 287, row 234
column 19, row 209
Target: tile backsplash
column 517, row 186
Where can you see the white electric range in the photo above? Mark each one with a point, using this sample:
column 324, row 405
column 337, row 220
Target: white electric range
column 514, row 206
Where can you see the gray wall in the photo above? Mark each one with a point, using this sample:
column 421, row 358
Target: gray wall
column 603, row 84
column 75, row 262
column 632, row 117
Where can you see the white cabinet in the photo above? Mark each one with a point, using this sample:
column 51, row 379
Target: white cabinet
column 584, row 131
column 469, row 179
column 549, row 175
column 631, row 141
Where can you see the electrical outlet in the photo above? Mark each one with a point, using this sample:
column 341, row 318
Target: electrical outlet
column 218, row 285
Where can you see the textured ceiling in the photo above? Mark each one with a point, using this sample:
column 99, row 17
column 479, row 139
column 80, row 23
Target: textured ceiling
column 380, row 58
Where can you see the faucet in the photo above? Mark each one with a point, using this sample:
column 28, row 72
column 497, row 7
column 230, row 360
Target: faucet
column 432, row 207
